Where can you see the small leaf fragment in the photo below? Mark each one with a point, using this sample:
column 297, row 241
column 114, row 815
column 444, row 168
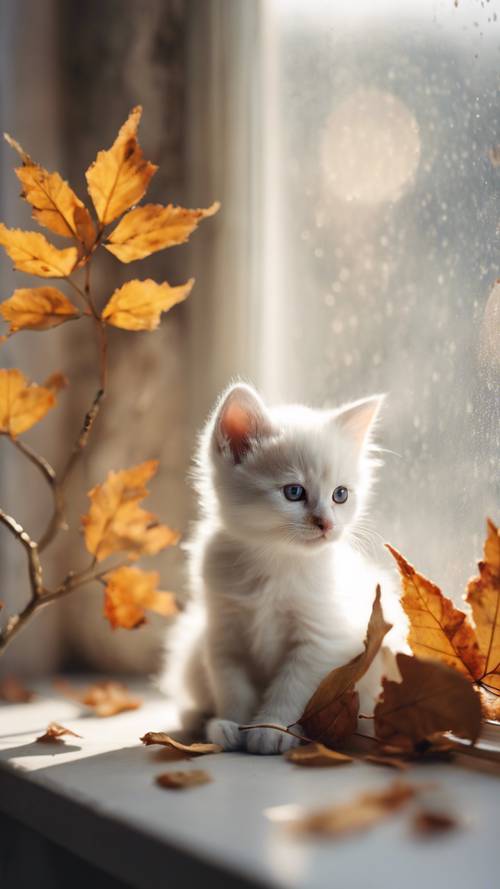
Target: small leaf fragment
column 316, row 756
column 431, row 823
column 430, row 698
column 106, row 698
column 138, row 305
column 119, row 177
column 391, row 762
column 13, row 690
column 55, row 734
column 22, row 404
column 152, row 227
column 197, row 749
column 130, row 592
column 115, row 521
column 362, row 813
column 38, row 308
column 183, row 780
column 32, row 253
column 438, row 630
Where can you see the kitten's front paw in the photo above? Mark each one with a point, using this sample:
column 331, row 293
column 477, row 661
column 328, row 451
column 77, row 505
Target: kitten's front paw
column 225, row 733
column 268, row 740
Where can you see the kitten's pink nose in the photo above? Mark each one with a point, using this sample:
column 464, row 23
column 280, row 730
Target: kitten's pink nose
column 323, row 524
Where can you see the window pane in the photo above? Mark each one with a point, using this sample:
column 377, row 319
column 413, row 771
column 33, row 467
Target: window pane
column 382, row 214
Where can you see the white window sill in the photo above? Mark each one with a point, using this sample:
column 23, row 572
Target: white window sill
column 96, row 798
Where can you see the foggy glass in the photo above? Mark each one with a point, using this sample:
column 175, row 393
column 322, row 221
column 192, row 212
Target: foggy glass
column 381, row 250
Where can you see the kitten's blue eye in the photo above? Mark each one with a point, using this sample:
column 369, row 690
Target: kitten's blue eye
column 294, row 492
column 340, row 494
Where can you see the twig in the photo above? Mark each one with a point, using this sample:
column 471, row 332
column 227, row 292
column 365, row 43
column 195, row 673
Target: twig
column 40, row 462
column 57, row 519
column 34, row 566
column 277, row 728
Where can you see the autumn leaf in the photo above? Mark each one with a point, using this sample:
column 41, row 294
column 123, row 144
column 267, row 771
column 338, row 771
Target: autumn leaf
column 182, row 780
column 426, row 823
column 130, row 592
column 438, row 630
column 490, row 705
column 316, row 756
column 55, row 734
column 13, row 691
column 119, row 177
column 22, row 404
column 115, row 521
column 56, row 382
column 483, row 595
column 331, row 713
column 55, row 205
column 107, row 698
column 196, row 749
column 37, row 309
column 138, row 304
column 430, row 698
column 153, row 227
column 392, row 762
column 361, row 813
column 32, row 253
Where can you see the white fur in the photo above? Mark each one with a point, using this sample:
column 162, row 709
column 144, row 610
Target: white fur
column 278, row 599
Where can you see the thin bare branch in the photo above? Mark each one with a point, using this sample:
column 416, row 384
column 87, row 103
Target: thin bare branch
column 34, row 566
column 40, row 462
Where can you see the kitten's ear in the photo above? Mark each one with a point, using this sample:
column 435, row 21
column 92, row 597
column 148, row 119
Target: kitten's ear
column 358, row 418
column 240, row 418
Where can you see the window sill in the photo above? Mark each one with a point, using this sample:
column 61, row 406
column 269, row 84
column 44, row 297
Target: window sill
column 97, row 799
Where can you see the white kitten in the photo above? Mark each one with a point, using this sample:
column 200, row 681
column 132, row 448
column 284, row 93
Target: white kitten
column 280, row 596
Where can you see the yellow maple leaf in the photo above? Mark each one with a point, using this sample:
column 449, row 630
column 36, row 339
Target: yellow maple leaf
column 22, row 404
column 153, row 227
column 119, row 177
column 115, row 522
column 483, row 595
column 438, row 630
column 138, row 304
column 130, row 592
column 37, row 309
column 32, row 253
column 55, row 204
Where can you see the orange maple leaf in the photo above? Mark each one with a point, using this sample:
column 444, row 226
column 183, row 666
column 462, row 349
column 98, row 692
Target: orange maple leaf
column 32, row 253
column 153, row 227
column 115, row 521
column 138, row 304
column 119, row 177
column 483, row 595
column 38, row 308
column 438, row 630
column 55, row 204
column 22, row 404
column 130, row 592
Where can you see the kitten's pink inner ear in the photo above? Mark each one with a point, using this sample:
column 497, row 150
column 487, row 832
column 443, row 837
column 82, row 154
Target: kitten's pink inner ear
column 358, row 418
column 240, row 421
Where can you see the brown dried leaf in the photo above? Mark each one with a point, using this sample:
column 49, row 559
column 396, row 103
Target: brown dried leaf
column 438, row 630
column 22, row 404
column 153, row 227
column 363, row 812
column 119, row 177
column 130, row 592
column 483, row 595
column 430, row 698
column 55, row 733
column 197, row 749
column 431, row 823
column 316, row 755
column 391, row 761
column 14, row 691
column 107, row 698
column 32, row 253
column 490, row 705
column 182, row 780
column 115, row 521
column 55, row 204
column 138, row 304
column 37, row 309
column 331, row 713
